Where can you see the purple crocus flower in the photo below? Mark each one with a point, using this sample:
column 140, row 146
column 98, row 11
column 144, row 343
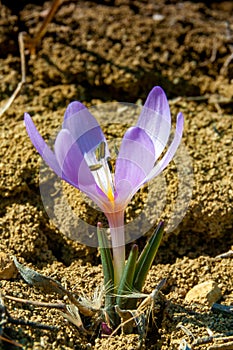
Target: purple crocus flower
column 81, row 157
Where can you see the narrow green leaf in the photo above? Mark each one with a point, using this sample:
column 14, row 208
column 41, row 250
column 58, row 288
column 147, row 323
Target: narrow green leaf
column 126, row 283
column 146, row 258
column 108, row 272
column 106, row 259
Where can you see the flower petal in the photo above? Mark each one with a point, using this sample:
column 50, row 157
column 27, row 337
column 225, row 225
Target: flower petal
column 68, row 156
column 155, row 119
column 73, row 108
column 41, row 146
column 123, row 194
column 74, row 167
column 83, row 127
column 161, row 165
column 134, row 162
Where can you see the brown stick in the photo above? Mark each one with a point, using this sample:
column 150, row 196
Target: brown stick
column 33, row 42
column 23, row 74
column 12, row 342
column 226, row 346
column 36, row 303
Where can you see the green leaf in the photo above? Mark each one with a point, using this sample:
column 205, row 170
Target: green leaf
column 106, row 259
column 146, row 258
column 108, row 272
column 126, row 283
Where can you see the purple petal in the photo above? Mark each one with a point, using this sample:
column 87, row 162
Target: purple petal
column 71, row 160
column 68, row 156
column 134, row 162
column 171, row 149
column 41, row 146
column 83, row 127
column 73, row 108
column 123, row 194
column 155, row 119
column 74, row 167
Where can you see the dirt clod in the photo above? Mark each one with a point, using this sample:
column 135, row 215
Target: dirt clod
column 206, row 292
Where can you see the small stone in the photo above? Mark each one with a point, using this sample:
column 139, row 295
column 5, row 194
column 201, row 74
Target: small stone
column 158, row 17
column 204, row 293
column 8, row 269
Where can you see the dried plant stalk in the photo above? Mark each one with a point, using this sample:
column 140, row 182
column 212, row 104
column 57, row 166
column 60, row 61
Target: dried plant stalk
column 23, row 74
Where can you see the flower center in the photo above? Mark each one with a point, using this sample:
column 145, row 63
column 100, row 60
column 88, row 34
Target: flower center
column 97, row 161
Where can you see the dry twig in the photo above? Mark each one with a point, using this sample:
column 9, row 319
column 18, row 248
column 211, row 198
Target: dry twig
column 23, row 74
column 36, row 303
column 30, row 43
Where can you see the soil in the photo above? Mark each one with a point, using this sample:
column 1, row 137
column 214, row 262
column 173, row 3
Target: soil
column 104, row 51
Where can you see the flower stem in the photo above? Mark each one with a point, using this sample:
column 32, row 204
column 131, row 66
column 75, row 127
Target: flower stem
column 116, row 224
column 118, row 263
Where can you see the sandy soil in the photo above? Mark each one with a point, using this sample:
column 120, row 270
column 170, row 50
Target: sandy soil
column 102, row 51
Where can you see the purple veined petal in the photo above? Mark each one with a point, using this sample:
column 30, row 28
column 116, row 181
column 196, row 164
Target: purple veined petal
column 161, row 165
column 123, row 194
column 83, row 127
column 41, row 146
column 68, row 156
column 75, row 169
column 155, row 119
column 73, row 108
column 71, row 160
column 134, row 162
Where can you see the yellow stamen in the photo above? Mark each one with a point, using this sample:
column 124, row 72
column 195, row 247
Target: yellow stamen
column 110, row 194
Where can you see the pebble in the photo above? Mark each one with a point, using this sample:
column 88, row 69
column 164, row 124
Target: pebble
column 8, row 269
column 204, row 293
